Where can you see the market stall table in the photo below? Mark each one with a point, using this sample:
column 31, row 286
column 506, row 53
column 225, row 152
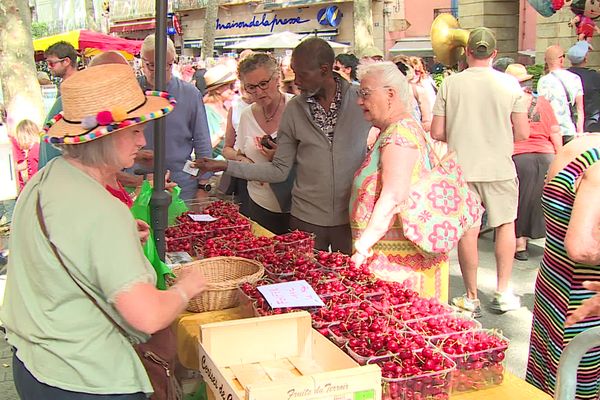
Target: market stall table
column 188, row 336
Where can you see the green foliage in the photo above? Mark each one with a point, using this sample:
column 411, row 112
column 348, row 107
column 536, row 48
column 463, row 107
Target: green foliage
column 438, row 78
column 537, row 70
column 39, row 29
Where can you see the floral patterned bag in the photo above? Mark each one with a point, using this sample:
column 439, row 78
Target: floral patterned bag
column 440, row 208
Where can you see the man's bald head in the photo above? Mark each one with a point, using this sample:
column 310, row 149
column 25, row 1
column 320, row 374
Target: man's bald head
column 108, row 57
column 554, row 56
column 315, row 50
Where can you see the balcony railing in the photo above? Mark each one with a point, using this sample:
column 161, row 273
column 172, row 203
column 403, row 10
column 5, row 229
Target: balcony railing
column 451, row 10
column 180, row 5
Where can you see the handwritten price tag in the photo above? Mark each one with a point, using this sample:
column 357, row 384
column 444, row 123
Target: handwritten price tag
column 291, row 294
column 202, row 217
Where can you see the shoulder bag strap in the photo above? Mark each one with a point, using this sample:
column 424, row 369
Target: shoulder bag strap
column 564, row 88
column 42, row 222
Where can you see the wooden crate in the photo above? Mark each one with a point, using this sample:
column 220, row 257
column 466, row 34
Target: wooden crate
column 281, row 357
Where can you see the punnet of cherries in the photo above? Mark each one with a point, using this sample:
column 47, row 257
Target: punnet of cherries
column 425, row 349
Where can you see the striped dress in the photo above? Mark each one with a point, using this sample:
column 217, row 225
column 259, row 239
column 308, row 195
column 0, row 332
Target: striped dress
column 558, row 289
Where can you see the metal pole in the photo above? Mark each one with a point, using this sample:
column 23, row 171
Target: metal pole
column 161, row 199
column 566, row 384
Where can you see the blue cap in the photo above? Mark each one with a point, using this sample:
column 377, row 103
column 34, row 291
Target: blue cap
column 578, row 52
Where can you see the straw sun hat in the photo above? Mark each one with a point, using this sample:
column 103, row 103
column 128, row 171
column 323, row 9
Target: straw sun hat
column 101, row 100
column 219, row 75
column 518, row 71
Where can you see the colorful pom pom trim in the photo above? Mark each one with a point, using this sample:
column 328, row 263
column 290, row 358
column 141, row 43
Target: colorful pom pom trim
column 107, row 121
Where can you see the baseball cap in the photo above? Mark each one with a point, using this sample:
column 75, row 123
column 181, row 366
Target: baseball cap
column 482, row 42
column 578, row 51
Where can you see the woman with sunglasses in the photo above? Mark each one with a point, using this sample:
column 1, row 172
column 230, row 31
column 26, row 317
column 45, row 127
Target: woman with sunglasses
column 220, row 92
column 257, row 135
column 399, row 158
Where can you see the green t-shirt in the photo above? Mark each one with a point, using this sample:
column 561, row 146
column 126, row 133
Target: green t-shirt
column 60, row 335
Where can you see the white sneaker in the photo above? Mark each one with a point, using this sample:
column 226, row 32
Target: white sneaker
column 506, row 301
column 467, row 304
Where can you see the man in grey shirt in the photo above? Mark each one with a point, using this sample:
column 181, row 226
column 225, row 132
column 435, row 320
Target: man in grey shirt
column 324, row 133
column 186, row 126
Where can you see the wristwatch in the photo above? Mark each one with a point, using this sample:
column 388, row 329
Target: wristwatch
column 205, row 186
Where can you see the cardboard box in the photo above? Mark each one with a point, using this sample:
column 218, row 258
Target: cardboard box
column 281, row 357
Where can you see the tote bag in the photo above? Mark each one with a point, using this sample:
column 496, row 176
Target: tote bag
column 440, row 207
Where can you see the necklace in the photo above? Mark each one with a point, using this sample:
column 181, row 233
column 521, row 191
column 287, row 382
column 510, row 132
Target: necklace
column 270, row 118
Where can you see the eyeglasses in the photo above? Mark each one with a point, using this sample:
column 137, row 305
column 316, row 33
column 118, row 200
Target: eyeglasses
column 366, row 92
column 52, row 63
column 150, row 65
column 250, row 88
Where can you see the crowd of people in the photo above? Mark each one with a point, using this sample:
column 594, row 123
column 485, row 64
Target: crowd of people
column 325, row 144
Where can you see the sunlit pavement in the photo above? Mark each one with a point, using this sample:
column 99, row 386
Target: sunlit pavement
column 515, row 325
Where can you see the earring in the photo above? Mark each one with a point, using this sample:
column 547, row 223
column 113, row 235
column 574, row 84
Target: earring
column 389, row 104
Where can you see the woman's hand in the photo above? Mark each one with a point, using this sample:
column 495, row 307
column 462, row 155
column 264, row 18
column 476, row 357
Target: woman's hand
column 358, row 259
column 209, row 165
column 269, row 153
column 143, row 231
column 169, row 184
column 192, row 281
column 589, row 307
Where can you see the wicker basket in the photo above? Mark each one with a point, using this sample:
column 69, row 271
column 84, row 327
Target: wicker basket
column 223, row 276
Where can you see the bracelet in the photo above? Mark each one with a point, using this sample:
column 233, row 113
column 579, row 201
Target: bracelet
column 367, row 254
column 182, row 294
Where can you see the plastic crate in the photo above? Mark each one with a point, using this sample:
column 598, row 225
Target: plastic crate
column 439, row 325
column 400, row 341
column 475, row 370
column 286, row 242
column 434, row 385
column 419, row 308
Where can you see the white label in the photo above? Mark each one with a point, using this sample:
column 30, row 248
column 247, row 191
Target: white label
column 177, row 257
column 291, row 294
column 189, row 168
column 202, row 217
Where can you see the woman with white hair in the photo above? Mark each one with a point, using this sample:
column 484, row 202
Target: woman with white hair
column 399, row 157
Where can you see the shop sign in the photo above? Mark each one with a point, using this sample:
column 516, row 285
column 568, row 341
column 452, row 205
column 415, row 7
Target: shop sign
column 331, row 16
column 263, row 21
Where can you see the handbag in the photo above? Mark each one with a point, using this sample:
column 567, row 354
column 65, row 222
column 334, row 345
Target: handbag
column 158, row 354
column 440, row 207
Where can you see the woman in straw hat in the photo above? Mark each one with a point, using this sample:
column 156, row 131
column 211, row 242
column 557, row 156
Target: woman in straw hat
column 79, row 289
column 220, row 87
column 532, row 157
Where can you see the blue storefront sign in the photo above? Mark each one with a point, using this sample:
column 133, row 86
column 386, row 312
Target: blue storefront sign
column 331, row 16
column 264, row 21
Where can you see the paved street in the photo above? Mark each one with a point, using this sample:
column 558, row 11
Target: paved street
column 515, row 325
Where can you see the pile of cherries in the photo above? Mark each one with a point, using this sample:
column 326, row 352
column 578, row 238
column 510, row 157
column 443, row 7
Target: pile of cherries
column 423, row 348
column 297, row 241
column 187, row 233
column 479, row 357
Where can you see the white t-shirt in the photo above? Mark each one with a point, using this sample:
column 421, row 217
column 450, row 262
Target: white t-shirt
column 249, row 133
column 238, row 105
column 551, row 88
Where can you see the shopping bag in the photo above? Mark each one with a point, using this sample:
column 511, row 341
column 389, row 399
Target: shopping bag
column 177, row 206
column 440, row 207
column 141, row 211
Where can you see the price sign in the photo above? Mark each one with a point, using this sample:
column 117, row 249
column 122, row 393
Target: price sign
column 291, row 294
column 202, row 217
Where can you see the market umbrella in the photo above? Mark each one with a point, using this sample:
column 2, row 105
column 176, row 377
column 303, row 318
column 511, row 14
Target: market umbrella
column 91, row 43
column 280, row 40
